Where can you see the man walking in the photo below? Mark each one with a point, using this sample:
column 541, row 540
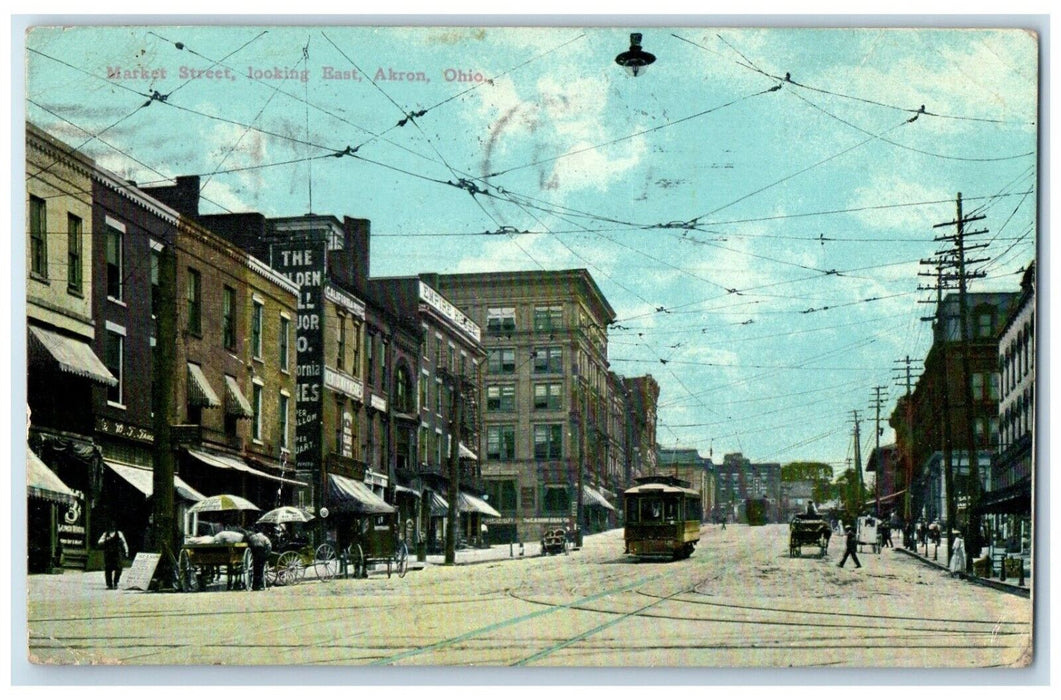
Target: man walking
column 851, row 550
column 261, row 548
column 114, row 550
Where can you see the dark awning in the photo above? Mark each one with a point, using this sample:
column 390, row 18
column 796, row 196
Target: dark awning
column 351, row 496
column 42, row 482
column 229, row 462
column 73, row 356
column 236, row 404
column 143, row 480
column 1015, row 499
column 200, row 393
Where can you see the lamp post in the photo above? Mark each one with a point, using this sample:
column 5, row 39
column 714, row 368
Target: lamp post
column 635, row 60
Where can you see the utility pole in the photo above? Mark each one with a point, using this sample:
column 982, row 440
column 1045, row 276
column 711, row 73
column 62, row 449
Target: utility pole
column 164, row 373
column 972, row 452
column 877, row 401
column 583, row 418
column 908, row 403
column 858, row 465
column 453, row 493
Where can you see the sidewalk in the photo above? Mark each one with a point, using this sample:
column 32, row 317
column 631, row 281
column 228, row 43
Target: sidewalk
column 1010, row 585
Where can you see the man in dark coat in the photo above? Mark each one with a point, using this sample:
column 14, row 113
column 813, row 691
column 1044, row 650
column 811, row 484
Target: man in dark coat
column 852, row 549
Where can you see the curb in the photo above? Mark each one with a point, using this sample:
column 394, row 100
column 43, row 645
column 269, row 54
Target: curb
column 1024, row 592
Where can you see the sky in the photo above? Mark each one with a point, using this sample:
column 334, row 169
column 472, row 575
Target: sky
column 754, row 206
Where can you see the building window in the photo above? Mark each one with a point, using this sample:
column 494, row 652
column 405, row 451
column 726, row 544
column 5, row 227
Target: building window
column 548, row 441
column 421, row 444
column 256, row 403
column 555, row 499
column 549, row 360
column 228, row 317
column 502, row 494
column 115, row 263
column 438, row 396
column 502, row 361
column 548, row 397
column 73, row 253
column 985, row 324
column 156, row 289
column 38, row 237
column 340, row 444
column 438, row 352
column 500, row 320
column 452, row 358
column 383, row 373
column 283, row 409
column 424, row 384
column 195, row 303
column 501, row 397
column 370, row 340
column 285, row 343
column 501, row 442
column 548, row 318
column 340, row 356
column 403, row 390
column 257, row 316
column 114, row 352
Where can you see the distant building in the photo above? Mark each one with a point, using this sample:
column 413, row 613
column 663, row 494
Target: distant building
column 1008, row 502
column 740, row 480
column 549, row 410
column 688, row 465
column 888, row 467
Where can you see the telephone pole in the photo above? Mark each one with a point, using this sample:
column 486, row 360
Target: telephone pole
column 877, row 402
column 939, row 337
column 453, row 493
column 164, row 370
column 962, row 263
column 908, row 400
column 858, row 466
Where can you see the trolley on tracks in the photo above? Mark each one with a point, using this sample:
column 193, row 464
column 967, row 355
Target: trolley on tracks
column 662, row 518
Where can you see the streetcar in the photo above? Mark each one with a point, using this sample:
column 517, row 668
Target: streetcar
column 662, row 518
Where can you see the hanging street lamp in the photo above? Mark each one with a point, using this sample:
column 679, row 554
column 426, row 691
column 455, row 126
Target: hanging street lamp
column 635, row 60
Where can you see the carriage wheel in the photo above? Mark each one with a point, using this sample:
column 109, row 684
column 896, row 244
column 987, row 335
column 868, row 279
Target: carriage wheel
column 325, row 562
column 189, row 583
column 402, row 558
column 289, row 569
column 356, row 556
column 246, row 572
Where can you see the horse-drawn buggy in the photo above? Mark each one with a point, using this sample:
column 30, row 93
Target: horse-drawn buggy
column 808, row 529
column 554, row 541
column 375, row 540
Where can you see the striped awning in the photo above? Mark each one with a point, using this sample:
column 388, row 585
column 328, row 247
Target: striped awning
column 468, row 503
column 465, row 453
column 143, row 480
column 236, row 404
column 438, row 505
column 230, row 462
column 42, row 482
column 200, row 393
column 350, row 496
column 72, row 355
column 592, row 497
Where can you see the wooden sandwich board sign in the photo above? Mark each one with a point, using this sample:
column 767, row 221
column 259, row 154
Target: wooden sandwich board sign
column 143, row 568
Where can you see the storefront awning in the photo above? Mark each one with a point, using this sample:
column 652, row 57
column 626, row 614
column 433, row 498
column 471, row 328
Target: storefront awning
column 73, row 356
column 350, row 496
column 439, row 506
column 227, row 462
column 465, row 453
column 236, row 404
column 405, row 489
column 466, row 503
column 143, row 480
column 591, row 497
column 1015, row 499
column 42, row 482
column 200, row 393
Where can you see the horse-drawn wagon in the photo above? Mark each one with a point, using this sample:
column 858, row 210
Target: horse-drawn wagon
column 808, row 529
